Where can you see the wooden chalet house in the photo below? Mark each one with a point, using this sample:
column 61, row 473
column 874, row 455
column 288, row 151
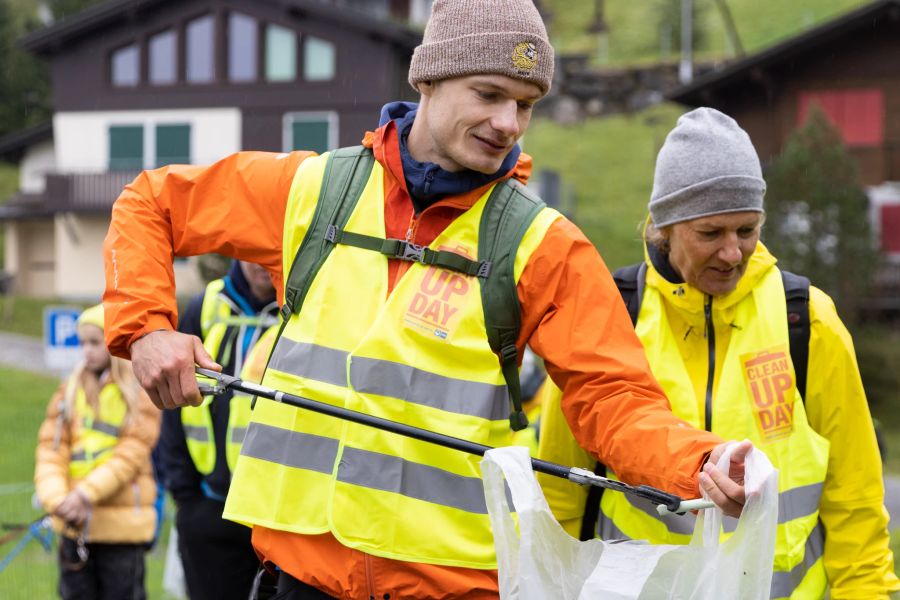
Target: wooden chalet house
column 143, row 83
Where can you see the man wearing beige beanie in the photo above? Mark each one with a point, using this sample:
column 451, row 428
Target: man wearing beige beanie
column 381, row 255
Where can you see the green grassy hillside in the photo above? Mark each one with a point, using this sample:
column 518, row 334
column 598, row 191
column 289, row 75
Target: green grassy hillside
column 608, row 166
column 635, row 33
column 608, row 162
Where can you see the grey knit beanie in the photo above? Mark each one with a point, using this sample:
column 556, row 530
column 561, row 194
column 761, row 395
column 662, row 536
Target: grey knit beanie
column 707, row 166
column 472, row 37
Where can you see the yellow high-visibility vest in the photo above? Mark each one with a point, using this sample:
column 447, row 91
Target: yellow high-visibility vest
column 756, row 399
column 419, row 355
column 99, row 429
column 218, row 313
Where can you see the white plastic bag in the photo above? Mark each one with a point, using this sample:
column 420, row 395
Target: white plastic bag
column 173, row 571
column 541, row 561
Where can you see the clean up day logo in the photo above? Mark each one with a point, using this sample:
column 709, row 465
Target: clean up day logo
column 436, row 304
column 769, row 376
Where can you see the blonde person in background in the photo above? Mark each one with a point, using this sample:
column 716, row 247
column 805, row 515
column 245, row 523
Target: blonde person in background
column 719, row 321
column 93, row 472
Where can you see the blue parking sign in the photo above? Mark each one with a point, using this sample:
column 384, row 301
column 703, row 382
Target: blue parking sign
column 61, row 348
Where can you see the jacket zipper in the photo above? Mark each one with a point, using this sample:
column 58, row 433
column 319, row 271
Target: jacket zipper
column 711, row 356
column 370, row 578
column 429, row 179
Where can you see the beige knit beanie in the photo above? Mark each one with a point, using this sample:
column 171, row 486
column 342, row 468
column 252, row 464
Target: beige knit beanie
column 471, row 37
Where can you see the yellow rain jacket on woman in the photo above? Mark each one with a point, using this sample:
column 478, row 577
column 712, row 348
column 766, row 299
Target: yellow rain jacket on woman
column 824, row 443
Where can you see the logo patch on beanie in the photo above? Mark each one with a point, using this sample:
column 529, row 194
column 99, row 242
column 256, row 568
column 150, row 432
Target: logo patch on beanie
column 524, row 56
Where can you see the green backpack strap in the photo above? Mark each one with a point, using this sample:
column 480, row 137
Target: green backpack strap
column 346, row 175
column 509, row 212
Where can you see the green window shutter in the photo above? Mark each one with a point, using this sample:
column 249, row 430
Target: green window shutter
column 173, row 144
column 126, row 147
column 310, row 135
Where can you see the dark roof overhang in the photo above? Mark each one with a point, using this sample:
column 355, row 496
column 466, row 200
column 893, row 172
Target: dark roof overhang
column 756, row 66
column 13, row 145
column 52, row 39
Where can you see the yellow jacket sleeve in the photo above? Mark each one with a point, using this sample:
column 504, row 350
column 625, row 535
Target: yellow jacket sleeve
column 858, row 560
column 557, row 444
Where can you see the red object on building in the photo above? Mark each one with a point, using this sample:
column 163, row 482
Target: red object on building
column 890, row 228
column 857, row 113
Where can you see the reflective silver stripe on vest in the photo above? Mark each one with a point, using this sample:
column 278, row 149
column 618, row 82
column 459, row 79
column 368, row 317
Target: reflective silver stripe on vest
column 196, row 433
column 799, row 502
column 104, row 427
column 238, row 434
column 394, row 474
column 785, row 582
column 792, row 504
column 290, row 448
column 608, row 531
column 82, row 455
column 310, row 361
column 385, row 378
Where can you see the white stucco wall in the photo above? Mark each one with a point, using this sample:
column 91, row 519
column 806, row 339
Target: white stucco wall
column 11, row 247
column 33, row 257
column 79, row 255
column 79, row 259
column 82, row 138
column 38, row 160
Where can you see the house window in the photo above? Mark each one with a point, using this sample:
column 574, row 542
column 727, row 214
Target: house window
column 858, row 113
column 242, row 46
column 281, row 54
column 420, row 10
column 173, row 144
column 126, row 66
column 318, row 59
column 890, row 228
column 126, row 147
column 310, row 131
column 162, row 54
column 376, row 8
column 200, row 50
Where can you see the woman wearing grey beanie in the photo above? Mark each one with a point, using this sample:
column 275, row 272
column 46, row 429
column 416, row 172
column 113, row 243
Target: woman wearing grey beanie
column 748, row 351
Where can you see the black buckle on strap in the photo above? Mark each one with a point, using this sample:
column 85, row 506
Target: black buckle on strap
column 411, row 252
column 509, row 352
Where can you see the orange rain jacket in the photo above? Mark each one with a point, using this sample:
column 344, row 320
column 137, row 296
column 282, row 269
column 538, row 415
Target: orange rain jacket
column 572, row 316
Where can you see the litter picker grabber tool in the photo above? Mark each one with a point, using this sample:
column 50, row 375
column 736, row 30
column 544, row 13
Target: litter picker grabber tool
column 665, row 502
column 39, row 530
